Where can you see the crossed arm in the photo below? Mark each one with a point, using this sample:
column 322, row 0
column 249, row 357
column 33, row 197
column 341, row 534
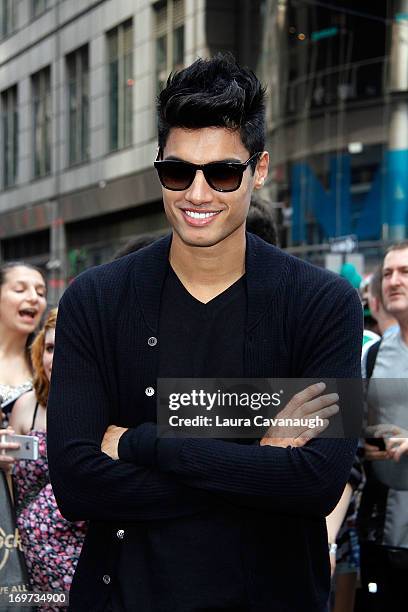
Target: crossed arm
column 166, row 478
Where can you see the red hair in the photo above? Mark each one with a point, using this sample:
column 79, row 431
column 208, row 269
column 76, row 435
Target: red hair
column 41, row 383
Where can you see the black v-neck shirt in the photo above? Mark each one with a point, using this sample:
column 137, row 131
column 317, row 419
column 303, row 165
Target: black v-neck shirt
column 204, row 341
column 200, row 340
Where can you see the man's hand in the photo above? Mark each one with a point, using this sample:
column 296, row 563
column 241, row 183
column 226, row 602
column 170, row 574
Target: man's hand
column 395, row 438
column 397, row 447
column 310, row 405
column 110, row 440
column 373, row 453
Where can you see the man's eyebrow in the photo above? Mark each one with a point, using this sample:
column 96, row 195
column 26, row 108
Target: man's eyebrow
column 400, row 267
column 233, row 160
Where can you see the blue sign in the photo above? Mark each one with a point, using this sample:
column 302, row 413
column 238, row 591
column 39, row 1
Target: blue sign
column 338, row 212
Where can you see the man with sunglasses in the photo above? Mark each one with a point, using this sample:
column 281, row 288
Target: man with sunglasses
column 189, row 525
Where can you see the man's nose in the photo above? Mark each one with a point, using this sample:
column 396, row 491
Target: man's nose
column 395, row 278
column 199, row 191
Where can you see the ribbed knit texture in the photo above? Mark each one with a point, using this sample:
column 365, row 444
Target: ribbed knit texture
column 302, row 322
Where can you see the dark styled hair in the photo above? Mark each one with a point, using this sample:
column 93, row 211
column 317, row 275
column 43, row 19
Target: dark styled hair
column 135, row 244
column 260, row 220
column 214, row 92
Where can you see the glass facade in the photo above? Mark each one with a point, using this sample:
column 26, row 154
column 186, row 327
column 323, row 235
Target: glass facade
column 41, row 121
column 39, row 6
column 9, row 136
column 169, row 39
column 7, row 17
column 121, row 81
column 78, row 104
column 337, row 118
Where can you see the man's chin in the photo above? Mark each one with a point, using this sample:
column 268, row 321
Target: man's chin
column 396, row 306
column 204, row 239
column 201, row 243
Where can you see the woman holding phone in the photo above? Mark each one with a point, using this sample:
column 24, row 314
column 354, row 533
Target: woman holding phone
column 51, row 544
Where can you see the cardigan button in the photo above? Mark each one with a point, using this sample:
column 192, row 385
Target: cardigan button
column 120, row 534
column 149, row 391
column 106, row 579
column 152, row 341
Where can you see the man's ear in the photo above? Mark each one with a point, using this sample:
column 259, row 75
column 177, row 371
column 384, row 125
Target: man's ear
column 261, row 170
column 374, row 304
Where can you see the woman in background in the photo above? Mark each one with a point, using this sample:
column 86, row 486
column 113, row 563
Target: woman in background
column 22, row 304
column 51, row 544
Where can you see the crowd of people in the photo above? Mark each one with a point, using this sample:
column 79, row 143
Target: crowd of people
column 369, row 526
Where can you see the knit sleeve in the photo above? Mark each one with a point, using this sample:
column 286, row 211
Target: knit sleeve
column 87, row 483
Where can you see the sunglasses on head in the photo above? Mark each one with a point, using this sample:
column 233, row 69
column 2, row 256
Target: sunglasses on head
column 221, row 176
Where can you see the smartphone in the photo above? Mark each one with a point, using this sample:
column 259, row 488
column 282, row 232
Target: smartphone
column 378, row 442
column 28, row 446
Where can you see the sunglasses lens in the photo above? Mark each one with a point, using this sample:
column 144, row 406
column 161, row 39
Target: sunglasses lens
column 223, row 177
column 176, row 175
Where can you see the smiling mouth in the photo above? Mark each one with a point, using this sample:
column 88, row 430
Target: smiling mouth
column 193, row 214
column 28, row 312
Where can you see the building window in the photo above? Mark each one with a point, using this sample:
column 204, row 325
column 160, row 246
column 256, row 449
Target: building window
column 41, row 101
column 7, row 17
column 120, row 54
column 78, row 105
column 39, row 6
column 9, row 136
column 169, row 36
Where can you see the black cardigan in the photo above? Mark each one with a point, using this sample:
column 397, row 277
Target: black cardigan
column 302, row 322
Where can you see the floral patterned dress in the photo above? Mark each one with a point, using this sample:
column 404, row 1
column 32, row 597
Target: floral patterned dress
column 51, row 544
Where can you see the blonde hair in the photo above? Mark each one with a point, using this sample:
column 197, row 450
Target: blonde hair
column 41, row 383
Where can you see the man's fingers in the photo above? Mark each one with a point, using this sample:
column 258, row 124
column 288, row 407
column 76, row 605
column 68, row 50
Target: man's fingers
column 397, row 447
column 317, row 404
column 311, row 433
column 387, row 430
column 325, row 413
column 373, row 453
column 399, row 453
column 306, row 395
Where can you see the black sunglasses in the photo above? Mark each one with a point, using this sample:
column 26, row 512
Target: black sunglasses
column 222, row 176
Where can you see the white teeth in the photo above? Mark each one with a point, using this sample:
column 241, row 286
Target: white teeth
column 28, row 312
column 197, row 215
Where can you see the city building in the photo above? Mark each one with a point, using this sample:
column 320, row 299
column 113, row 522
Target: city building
column 78, row 82
column 338, row 122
